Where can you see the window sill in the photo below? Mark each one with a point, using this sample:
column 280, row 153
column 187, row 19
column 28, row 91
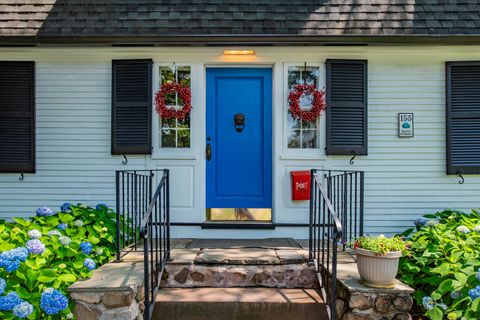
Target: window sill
column 302, row 157
column 170, row 156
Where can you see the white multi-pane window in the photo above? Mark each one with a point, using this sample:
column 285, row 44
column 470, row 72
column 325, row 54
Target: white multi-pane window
column 174, row 133
column 303, row 134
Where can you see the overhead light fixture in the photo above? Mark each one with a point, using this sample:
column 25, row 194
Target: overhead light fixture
column 239, row 52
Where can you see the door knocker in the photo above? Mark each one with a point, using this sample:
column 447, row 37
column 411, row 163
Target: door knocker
column 239, row 120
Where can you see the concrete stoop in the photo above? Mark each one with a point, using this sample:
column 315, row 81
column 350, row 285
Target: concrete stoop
column 239, row 304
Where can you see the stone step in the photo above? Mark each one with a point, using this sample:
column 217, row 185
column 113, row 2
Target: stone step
column 300, row 275
column 239, row 304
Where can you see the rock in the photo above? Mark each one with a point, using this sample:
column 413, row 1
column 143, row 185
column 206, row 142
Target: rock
column 402, row 316
column 306, row 278
column 403, row 303
column 235, row 277
column 357, row 316
column 260, row 278
column 197, row 276
column 130, row 313
column 86, row 312
column 359, row 301
column 181, row 276
column 116, row 299
column 384, row 304
column 88, row 297
column 341, row 308
column 140, row 292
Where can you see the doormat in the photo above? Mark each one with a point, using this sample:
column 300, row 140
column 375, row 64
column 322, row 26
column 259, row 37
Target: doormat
column 270, row 243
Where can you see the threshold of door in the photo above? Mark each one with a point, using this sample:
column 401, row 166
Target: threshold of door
column 237, row 225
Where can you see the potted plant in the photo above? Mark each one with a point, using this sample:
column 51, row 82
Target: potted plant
column 377, row 259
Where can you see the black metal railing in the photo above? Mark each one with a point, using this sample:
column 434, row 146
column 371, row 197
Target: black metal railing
column 336, row 217
column 143, row 224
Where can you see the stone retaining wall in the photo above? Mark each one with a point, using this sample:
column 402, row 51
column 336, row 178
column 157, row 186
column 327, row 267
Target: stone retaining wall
column 356, row 301
column 115, row 292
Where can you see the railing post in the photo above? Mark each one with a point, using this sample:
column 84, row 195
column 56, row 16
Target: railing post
column 310, row 227
column 167, row 200
column 362, row 185
column 146, row 283
column 344, row 211
column 117, row 206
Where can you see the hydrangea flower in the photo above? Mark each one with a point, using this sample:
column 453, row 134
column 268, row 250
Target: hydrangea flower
column 89, row 264
column 9, row 301
column 432, row 223
column 66, row 206
column 474, row 293
column 442, row 305
column 452, row 316
column 62, row 226
column 477, row 229
column 35, row 246
column 12, row 266
column 52, row 233
column 463, row 229
column 34, row 234
column 53, row 301
column 65, row 240
column 22, row 310
column 420, row 222
column 69, row 316
column 78, row 223
column 3, row 284
column 455, row 294
column 99, row 251
column 101, row 206
column 20, row 253
column 86, row 247
column 45, row 212
column 428, row 303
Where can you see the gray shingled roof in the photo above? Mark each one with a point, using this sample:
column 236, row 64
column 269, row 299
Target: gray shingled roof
column 157, row 18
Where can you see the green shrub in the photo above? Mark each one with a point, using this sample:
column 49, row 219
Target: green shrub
column 42, row 256
column 443, row 266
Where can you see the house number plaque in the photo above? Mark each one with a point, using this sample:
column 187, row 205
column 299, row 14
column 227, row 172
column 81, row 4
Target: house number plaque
column 405, row 125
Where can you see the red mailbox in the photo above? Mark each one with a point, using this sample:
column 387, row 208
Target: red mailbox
column 300, row 185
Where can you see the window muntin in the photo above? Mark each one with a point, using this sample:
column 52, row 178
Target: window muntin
column 174, row 133
column 302, row 134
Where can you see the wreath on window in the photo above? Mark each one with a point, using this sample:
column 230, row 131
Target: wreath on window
column 169, row 112
column 318, row 102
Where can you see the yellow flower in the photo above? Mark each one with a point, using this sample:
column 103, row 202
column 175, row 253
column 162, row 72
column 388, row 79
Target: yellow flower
column 62, row 265
column 452, row 316
column 16, row 230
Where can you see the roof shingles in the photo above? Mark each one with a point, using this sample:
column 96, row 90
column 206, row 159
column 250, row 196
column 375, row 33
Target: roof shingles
column 97, row 18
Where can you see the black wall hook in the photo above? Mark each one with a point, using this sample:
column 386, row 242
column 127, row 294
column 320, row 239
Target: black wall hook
column 462, row 179
column 125, row 161
column 353, row 158
column 21, row 177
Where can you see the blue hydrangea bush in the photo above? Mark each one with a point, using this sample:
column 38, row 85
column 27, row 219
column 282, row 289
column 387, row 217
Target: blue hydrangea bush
column 42, row 256
column 444, row 265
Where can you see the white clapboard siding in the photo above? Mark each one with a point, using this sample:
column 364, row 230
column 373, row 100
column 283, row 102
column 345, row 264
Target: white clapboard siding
column 404, row 178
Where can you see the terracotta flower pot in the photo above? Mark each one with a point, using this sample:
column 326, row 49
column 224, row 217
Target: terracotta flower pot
column 377, row 271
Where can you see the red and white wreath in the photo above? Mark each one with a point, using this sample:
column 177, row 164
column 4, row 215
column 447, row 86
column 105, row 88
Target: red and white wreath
column 171, row 88
column 318, row 102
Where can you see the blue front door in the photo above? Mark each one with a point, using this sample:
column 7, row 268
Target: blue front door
column 239, row 138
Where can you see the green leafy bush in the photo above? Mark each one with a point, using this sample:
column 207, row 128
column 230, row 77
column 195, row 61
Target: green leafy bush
column 381, row 244
column 444, row 265
column 42, row 256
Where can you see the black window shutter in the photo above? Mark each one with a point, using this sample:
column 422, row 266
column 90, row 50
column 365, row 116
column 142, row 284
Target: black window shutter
column 346, row 94
column 463, row 117
column 17, row 116
column 131, row 106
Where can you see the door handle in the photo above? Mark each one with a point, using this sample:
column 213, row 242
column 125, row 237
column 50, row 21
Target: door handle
column 208, row 152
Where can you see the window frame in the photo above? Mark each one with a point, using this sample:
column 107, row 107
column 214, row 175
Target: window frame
column 169, row 152
column 303, row 153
